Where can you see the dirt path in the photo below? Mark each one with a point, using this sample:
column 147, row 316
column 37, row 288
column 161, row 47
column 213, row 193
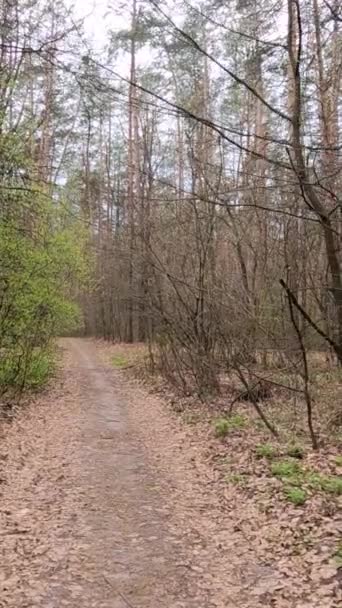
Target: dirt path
column 108, row 501
column 84, row 522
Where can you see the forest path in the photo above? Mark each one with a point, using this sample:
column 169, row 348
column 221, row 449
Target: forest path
column 124, row 534
column 85, row 515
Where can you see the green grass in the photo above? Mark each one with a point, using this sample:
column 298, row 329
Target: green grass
column 297, row 496
column 223, row 426
column 295, row 451
column 286, row 468
column 291, row 474
column 237, row 421
column 338, row 461
column 119, row 361
column 266, row 450
column 314, row 480
column 338, row 555
column 331, row 484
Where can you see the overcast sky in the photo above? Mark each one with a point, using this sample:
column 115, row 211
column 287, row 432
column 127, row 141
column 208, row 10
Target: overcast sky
column 97, row 18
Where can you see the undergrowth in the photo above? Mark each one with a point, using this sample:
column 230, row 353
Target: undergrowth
column 298, row 481
column 266, row 450
column 223, row 426
column 295, row 495
column 338, row 555
column 119, row 361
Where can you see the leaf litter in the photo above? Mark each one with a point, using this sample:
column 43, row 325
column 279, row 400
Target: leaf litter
column 265, row 550
column 241, row 545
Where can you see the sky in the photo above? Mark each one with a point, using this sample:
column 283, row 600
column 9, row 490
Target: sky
column 97, row 19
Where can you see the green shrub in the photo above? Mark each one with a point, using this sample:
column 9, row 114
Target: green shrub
column 43, row 263
column 297, row 496
column 266, row 450
column 40, row 368
column 32, row 372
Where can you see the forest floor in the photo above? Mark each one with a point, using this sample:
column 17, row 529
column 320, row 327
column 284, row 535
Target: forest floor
column 110, row 498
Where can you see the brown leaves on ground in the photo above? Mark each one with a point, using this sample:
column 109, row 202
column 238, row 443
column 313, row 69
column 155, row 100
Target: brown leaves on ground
column 37, row 502
column 267, row 551
column 241, row 543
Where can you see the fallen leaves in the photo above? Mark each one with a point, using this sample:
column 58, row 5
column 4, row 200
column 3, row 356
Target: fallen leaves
column 248, row 519
column 241, row 544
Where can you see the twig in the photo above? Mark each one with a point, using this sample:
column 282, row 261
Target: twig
column 273, row 382
column 255, row 404
column 291, row 297
column 230, row 408
column 125, row 600
column 12, row 532
column 123, row 597
column 305, row 375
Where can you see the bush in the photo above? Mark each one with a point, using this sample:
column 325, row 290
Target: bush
column 42, row 260
column 40, row 368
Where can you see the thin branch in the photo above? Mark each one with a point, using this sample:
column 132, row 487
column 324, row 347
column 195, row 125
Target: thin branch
column 234, row 76
column 311, row 322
